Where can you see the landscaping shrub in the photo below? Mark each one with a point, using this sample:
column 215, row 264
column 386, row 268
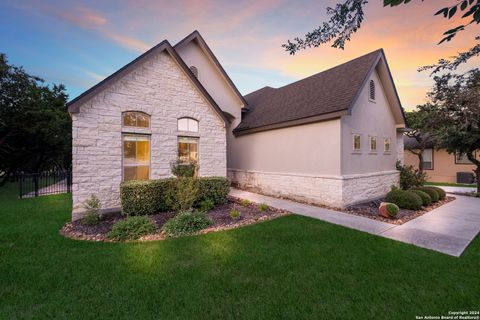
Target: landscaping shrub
column 245, row 202
column 404, row 199
column 441, row 193
column 185, row 223
column 148, row 197
column 206, row 205
column 392, row 209
column 183, row 170
column 410, row 177
column 234, row 214
column 262, row 207
column 426, row 199
column 131, row 228
column 431, row 192
column 182, row 194
column 92, row 208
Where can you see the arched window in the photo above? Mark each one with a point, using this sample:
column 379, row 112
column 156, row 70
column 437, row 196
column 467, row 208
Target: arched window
column 372, row 90
column 187, row 125
column 194, row 71
column 135, row 119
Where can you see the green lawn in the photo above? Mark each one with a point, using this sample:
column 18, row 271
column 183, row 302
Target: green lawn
column 449, row 184
column 293, row 267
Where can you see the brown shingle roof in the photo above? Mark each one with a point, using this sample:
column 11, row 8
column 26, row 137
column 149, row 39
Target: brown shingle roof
column 325, row 93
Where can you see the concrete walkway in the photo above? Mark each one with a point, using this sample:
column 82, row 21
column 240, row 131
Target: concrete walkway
column 448, row 229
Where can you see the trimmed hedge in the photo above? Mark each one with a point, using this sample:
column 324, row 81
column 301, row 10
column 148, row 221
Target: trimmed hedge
column 431, row 192
column 426, row 199
column 148, row 197
column 441, row 193
column 405, row 199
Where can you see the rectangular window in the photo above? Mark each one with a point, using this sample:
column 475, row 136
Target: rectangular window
column 357, row 142
column 187, row 149
column 136, row 157
column 373, row 144
column 461, row 158
column 427, row 159
column 386, row 144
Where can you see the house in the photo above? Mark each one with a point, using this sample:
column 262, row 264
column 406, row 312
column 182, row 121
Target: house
column 332, row 138
column 438, row 164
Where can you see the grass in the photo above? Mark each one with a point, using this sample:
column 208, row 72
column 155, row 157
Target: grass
column 289, row 268
column 449, row 184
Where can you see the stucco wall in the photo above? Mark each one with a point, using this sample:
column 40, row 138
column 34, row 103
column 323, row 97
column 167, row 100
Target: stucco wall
column 160, row 88
column 369, row 118
column 307, row 149
column 444, row 167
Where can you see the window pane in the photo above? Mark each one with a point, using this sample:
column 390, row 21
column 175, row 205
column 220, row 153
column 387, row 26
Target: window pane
column 143, row 152
column 129, row 119
column 142, row 172
column 427, row 155
column 192, row 125
column 129, row 173
column 427, row 165
column 129, row 152
column 387, row 144
column 136, row 157
column 143, row 120
column 193, row 151
column 183, row 152
column 373, row 143
column 356, row 142
column 183, row 124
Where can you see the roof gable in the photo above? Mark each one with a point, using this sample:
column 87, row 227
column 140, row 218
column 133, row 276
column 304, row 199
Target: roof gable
column 322, row 96
column 74, row 105
column 197, row 37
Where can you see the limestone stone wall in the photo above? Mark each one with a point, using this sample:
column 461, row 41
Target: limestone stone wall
column 333, row 191
column 161, row 89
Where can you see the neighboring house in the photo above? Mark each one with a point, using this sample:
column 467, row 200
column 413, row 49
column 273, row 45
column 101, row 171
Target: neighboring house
column 438, row 164
column 332, row 138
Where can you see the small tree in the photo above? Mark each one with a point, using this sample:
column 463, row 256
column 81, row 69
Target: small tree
column 457, row 116
column 92, row 208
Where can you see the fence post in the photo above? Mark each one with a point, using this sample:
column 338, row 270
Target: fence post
column 35, row 183
column 69, row 181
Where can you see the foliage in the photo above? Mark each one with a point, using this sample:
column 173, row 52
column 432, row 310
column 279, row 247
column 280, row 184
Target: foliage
column 206, row 205
column 186, row 223
column 182, row 194
column 245, row 202
column 426, row 199
column 131, row 228
column 410, row 177
column 92, row 208
column 441, row 193
column 392, row 209
column 148, row 197
column 434, row 195
column 457, row 114
column 347, row 17
column 404, row 199
column 35, row 127
column 262, row 207
column 184, row 170
column 234, row 214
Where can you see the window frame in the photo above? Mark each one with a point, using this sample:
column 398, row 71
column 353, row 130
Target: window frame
column 354, row 135
column 372, row 89
column 197, row 140
column 433, row 159
column 188, row 119
column 385, row 139
column 136, row 127
column 462, row 163
column 370, row 144
column 149, row 136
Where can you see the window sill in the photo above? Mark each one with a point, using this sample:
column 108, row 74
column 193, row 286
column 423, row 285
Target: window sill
column 373, row 152
column 356, row 152
column 387, row 153
column 188, row 134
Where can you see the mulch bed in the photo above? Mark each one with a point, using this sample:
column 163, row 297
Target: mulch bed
column 370, row 210
column 219, row 215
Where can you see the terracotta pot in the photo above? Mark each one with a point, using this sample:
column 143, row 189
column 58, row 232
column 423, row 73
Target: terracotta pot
column 382, row 210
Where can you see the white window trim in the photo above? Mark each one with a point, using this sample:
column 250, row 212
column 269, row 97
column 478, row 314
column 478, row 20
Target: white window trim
column 370, row 144
column 353, row 143
column 389, row 143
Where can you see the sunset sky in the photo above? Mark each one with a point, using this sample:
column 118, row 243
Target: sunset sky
column 78, row 43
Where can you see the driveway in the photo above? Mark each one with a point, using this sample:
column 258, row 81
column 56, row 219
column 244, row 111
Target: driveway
column 448, row 229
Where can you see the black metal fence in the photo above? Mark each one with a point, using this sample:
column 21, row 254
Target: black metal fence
column 44, row 183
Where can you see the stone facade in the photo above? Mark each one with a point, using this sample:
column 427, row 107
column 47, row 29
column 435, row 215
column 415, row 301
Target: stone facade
column 159, row 88
column 333, row 191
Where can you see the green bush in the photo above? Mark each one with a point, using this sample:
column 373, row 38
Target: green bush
column 234, row 214
column 186, row 223
column 148, row 197
column 392, row 209
column 131, row 228
column 441, row 193
column 182, row 194
column 92, row 208
column 426, row 199
column 404, row 199
column 206, row 205
column 410, row 177
column 245, row 202
column 183, row 170
column 431, row 192
column 262, row 207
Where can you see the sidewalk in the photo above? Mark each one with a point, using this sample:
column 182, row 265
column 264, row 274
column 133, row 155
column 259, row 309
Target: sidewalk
column 448, row 229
